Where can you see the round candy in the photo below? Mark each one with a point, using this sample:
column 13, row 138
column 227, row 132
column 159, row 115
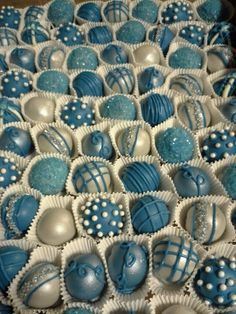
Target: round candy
column 77, row 310
column 9, row 111
column 178, row 309
column 194, row 34
column 85, row 277
column 174, row 259
column 102, row 217
column 176, row 12
column 7, row 37
column 114, row 54
column 175, row 145
column 225, row 86
column 131, row 32
column 213, row 11
column 40, row 286
column 205, row 222
column 15, row 84
column 48, row 175
column 69, row 34
column 61, row 12
column 3, row 64
column 92, row 177
column 33, row 13
column 222, row 33
column 90, row 12
column 215, row 282
column 51, row 57
column 118, row 107
column 97, row 144
column 88, row 84
column 17, row 213
column 53, row 81
column 6, row 309
column 162, row 35
column 191, row 181
column 218, row 145
column 12, row 260
column 9, row 171
column 127, row 265
column 134, row 141
column 140, row 177
column 156, row 108
column 228, row 177
column 10, row 17
column 82, row 58
column 40, row 109
column 146, row 55
column 149, row 214
column 100, row 35
column 55, row 226
column 34, row 33
column 120, row 80
column 220, row 58
column 150, row 78
column 146, row 11
column 116, row 11
column 187, row 84
column 75, row 113
column 24, row 58
column 194, row 114
column 186, row 58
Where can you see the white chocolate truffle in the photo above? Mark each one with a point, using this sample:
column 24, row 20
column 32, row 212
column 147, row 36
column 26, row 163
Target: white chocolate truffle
column 39, row 109
column 178, row 309
column 146, row 55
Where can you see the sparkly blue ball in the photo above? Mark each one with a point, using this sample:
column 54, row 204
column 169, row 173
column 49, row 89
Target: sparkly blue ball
column 120, row 80
column 6, row 309
column 15, row 84
column 48, row 175
column 114, row 54
column 194, row 34
column 225, row 86
column 54, row 82
column 132, row 32
column 10, row 17
column 9, row 111
column 97, row 144
column 88, row 84
column 140, row 177
column 85, row 277
column 7, row 37
column 100, row 35
column 61, row 12
column 127, row 265
column 229, row 110
column 3, row 64
column 34, row 33
column 222, row 33
column 150, row 78
column 228, row 179
column 213, row 11
column 177, row 12
column 77, row 310
column 9, row 173
column 82, row 58
column 70, row 35
column 163, row 36
column 146, row 10
column 186, row 58
column 24, row 58
column 118, row 107
column 90, row 12
column 33, row 13
column 116, row 11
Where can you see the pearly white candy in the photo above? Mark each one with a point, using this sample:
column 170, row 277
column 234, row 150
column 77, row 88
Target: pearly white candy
column 178, row 309
column 146, row 55
column 39, row 109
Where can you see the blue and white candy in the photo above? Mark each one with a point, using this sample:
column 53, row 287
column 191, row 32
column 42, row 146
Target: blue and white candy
column 9, row 171
column 33, row 13
column 150, row 78
column 195, row 34
column 15, row 84
column 7, row 37
column 23, row 58
column 114, row 54
column 229, row 110
column 116, row 11
column 176, row 12
column 225, row 85
column 120, row 80
column 9, row 111
column 69, row 34
column 34, row 33
column 97, row 144
column 3, row 64
column 220, row 58
column 10, row 17
column 51, row 57
column 187, row 84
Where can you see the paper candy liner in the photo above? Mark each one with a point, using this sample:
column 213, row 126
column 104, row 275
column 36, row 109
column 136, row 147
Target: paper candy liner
column 221, row 201
column 74, row 248
column 216, row 186
column 156, row 286
column 169, row 198
column 30, row 95
column 8, row 57
column 88, row 26
column 5, row 48
column 232, row 211
column 218, row 102
column 115, row 184
column 103, row 15
column 165, row 182
column 213, row 78
column 136, row 306
column 41, row 254
column 104, row 248
column 159, row 303
column 47, row 202
column 119, row 198
column 85, row 306
column 78, row 19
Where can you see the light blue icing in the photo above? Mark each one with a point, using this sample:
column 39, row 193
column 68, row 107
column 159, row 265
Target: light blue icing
column 114, row 54
column 176, row 12
column 82, row 58
column 7, row 37
column 88, row 84
column 10, row 17
column 90, row 11
column 150, row 78
column 53, row 81
column 120, row 80
column 213, row 11
column 132, row 32
column 15, row 84
column 61, row 12
column 116, row 11
column 33, row 33
column 97, row 144
column 228, row 178
column 70, row 35
column 100, row 35
column 9, row 111
column 186, row 58
column 11, row 173
column 146, row 10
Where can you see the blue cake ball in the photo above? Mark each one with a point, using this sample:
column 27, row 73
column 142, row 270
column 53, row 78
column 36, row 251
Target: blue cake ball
column 175, row 145
column 88, row 83
column 70, row 35
column 16, row 140
column 92, row 177
column 9, row 172
column 33, row 14
column 6, row 309
column 187, row 84
column 77, row 310
column 3, row 64
column 12, row 260
column 225, row 86
column 149, row 214
column 146, row 10
column 140, row 177
column 213, row 11
column 114, row 54
column 222, row 33
column 215, row 281
column 195, row 34
column 229, row 110
column 15, row 84
column 85, row 277
column 131, row 32
column 127, row 264
column 17, row 213
column 102, row 217
column 150, row 78
column 220, row 58
column 228, row 179
column 24, row 58
column 34, row 33
column 51, row 57
column 177, row 12
column 97, row 144
column 218, row 145
column 53, row 81
column 186, row 58
column 118, row 107
column 82, row 58
column 7, row 37
column 90, row 12
column 9, row 111
column 120, row 80
column 116, row 11
column 10, row 17
column 191, row 181
column 48, row 175
column 162, row 35
column 156, row 108
column 61, row 12
column 100, row 35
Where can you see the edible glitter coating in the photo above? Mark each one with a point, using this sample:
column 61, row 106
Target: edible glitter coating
column 218, row 145
column 220, row 58
column 229, row 110
column 7, row 37
column 222, row 33
column 54, row 82
column 187, row 84
column 150, row 78
column 228, row 179
column 82, row 58
column 175, row 145
column 48, row 175
column 118, row 107
column 146, row 10
column 195, row 34
column 51, row 57
column 9, row 17
column 70, row 35
column 90, row 12
column 114, row 54
column 34, row 33
column 100, row 35
column 97, row 144
column 61, row 12
column 186, row 58
column 9, row 172
column 120, row 80
column 225, row 86
column 161, row 35
column 176, row 12
column 24, row 58
column 9, row 111
column 88, row 84
column 215, row 282
column 132, row 32
column 116, row 11
column 213, row 11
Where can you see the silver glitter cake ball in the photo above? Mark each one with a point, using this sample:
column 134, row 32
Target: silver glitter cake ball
column 39, row 109
column 146, row 55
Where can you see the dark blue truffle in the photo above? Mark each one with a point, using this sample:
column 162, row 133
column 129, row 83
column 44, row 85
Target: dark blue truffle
column 229, row 110
column 228, row 179
column 3, row 64
column 163, row 36
column 7, row 37
column 54, row 82
column 120, row 80
column 61, row 12
column 176, row 12
column 24, row 58
column 97, row 144
column 150, row 78
column 222, row 33
column 33, row 13
column 34, row 33
column 15, row 84
column 114, row 54
column 82, row 58
column 88, row 84
column 9, row 111
column 90, row 12
column 100, row 35
column 6, row 309
column 146, row 10
column 116, row 11
column 10, row 172
column 213, row 11
column 131, row 32
column 195, row 34
column 186, row 58
column 70, row 35
column 225, row 86
column 10, row 17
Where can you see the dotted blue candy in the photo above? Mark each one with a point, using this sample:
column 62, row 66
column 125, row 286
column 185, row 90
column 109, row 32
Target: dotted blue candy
column 70, row 35
column 9, row 17
column 14, row 84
